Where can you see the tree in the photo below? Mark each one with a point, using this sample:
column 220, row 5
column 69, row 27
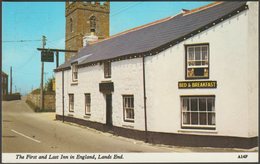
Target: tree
column 49, row 85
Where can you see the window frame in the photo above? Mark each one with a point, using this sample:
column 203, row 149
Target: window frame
column 198, row 126
column 107, row 69
column 87, row 105
column 186, row 61
column 124, row 109
column 71, row 109
column 74, row 66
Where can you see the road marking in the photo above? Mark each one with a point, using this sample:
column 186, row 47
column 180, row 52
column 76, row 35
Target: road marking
column 25, row 136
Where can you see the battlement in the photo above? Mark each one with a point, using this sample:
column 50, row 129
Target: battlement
column 98, row 6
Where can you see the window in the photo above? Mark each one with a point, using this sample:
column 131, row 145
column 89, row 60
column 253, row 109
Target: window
column 107, row 69
column 71, row 25
column 128, row 105
column 92, row 24
column 74, row 72
column 87, row 103
column 198, row 112
column 71, row 102
column 197, row 61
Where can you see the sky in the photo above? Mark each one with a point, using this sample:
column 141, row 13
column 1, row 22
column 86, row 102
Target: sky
column 29, row 21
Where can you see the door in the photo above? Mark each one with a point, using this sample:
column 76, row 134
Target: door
column 109, row 109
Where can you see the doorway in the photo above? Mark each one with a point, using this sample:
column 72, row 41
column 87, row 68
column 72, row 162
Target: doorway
column 109, row 109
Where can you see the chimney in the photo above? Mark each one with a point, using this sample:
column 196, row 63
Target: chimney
column 87, row 39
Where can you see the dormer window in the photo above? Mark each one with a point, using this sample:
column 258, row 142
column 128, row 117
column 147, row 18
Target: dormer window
column 107, row 69
column 74, row 68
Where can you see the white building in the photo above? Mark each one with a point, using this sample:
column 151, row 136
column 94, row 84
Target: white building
column 189, row 80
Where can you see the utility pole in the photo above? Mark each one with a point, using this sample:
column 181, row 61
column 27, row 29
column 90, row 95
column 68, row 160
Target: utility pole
column 11, row 80
column 42, row 72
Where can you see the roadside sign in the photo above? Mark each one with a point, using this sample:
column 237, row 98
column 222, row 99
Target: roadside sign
column 47, row 56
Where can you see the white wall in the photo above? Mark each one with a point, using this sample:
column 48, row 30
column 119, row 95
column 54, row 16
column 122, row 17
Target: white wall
column 229, row 58
column 253, row 60
column 58, row 91
column 127, row 77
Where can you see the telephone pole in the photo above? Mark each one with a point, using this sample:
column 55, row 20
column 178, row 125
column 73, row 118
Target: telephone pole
column 42, row 72
column 11, row 80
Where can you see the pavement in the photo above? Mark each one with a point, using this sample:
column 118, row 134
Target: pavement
column 24, row 131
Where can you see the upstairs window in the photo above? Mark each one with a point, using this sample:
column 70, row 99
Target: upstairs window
column 128, row 105
column 107, row 69
column 71, row 102
column 87, row 103
column 197, row 61
column 74, row 72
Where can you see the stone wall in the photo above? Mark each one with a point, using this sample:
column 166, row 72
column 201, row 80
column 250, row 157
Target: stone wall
column 34, row 101
column 10, row 97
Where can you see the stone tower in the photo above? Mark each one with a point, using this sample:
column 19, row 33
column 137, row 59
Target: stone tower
column 84, row 18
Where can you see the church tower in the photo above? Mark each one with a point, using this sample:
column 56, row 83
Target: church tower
column 85, row 18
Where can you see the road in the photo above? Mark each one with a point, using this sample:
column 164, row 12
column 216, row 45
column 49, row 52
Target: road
column 24, row 131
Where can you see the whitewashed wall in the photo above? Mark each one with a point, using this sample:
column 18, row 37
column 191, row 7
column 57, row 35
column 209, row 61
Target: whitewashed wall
column 230, row 56
column 127, row 77
column 253, row 58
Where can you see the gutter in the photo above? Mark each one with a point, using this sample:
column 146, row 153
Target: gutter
column 145, row 113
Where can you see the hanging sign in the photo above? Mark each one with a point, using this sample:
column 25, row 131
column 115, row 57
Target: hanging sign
column 47, row 56
column 197, row 84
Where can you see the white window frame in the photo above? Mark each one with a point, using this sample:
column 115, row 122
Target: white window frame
column 187, row 110
column 71, row 102
column 128, row 106
column 87, row 104
column 74, row 70
column 204, row 63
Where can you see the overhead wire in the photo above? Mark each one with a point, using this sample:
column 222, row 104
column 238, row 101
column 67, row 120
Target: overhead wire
column 125, row 9
column 6, row 41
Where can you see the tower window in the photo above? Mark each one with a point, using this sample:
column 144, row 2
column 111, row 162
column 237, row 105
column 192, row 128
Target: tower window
column 71, row 25
column 92, row 24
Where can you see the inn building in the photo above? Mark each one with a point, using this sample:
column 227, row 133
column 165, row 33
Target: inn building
column 186, row 80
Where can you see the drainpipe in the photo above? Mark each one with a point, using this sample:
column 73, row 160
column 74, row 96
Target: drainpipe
column 62, row 95
column 145, row 113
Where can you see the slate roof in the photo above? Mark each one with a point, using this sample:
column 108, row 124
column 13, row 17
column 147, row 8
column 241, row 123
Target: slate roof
column 156, row 35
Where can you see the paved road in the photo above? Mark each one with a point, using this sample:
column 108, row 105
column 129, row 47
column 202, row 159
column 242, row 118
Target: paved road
column 25, row 131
